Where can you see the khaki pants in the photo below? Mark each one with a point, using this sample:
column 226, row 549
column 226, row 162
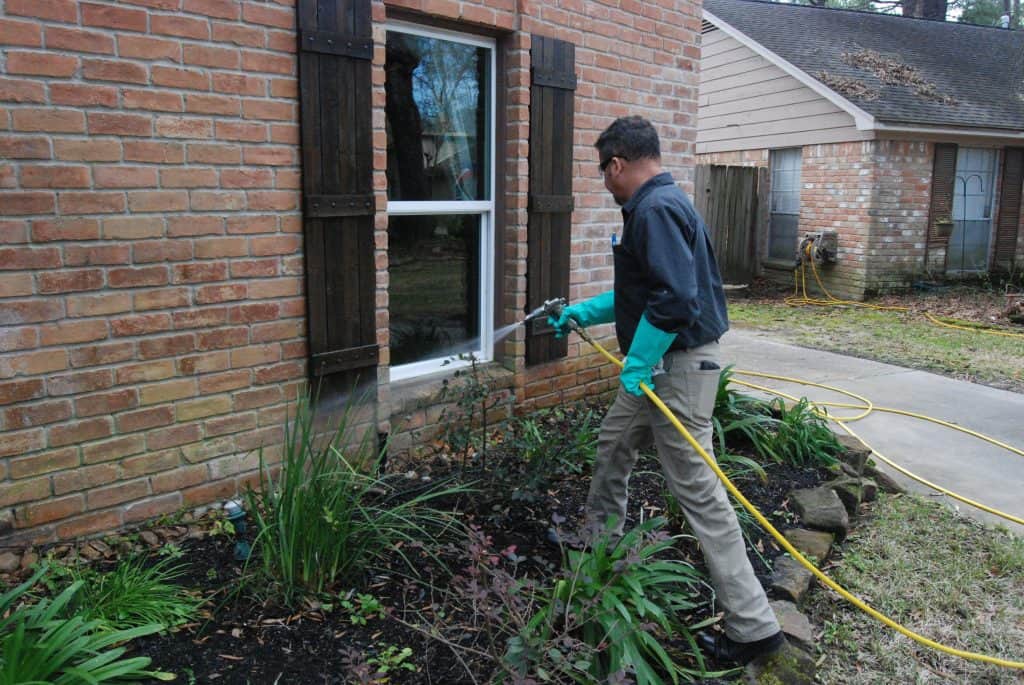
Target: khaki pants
column 690, row 393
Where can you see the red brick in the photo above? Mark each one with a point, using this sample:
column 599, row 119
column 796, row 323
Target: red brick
column 205, row 317
column 77, row 40
column 145, row 419
column 21, row 90
column 114, row 70
column 92, row 203
column 87, row 150
column 17, row 444
column 246, row 178
column 225, row 425
column 154, row 462
column 27, row 203
column 83, row 95
column 209, row 294
column 188, row 177
column 280, row 372
column 12, row 339
column 120, row 124
column 20, row 391
column 162, row 438
column 145, row 47
column 213, row 248
column 204, row 494
column 192, row 225
column 90, row 523
column 65, row 332
column 230, row 130
column 70, row 281
column 183, row 127
column 41, row 64
column 17, row 258
column 161, row 251
column 260, row 438
column 52, row 120
column 55, row 10
column 276, row 245
column 36, row 363
column 29, row 34
column 14, row 231
column 267, row 62
column 175, row 77
column 105, row 16
column 98, row 305
column 179, row 479
column 161, row 299
column 255, row 355
column 209, row 56
column 277, row 200
column 209, row 153
column 239, row 34
column 152, row 507
column 39, row 513
column 107, row 402
column 248, row 313
column 167, row 391
column 213, row 104
column 155, row 101
column 158, row 153
column 96, row 355
column 221, row 9
column 124, row 176
column 78, row 432
column 140, row 324
column 47, row 230
column 16, row 285
column 223, row 382
column 284, row 87
column 29, row 416
column 80, row 255
column 156, row 4
column 147, row 371
column 54, row 176
column 184, row 27
column 214, row 201
column 23, row 147
column 116, row 494
column 24, row 491
column 137, row 277
column 287, row 133
column 206, row 362
column 282, row 41
column 239, row 84
column 157, row 200
column 7, row 176
column 80, row 382
column 166, row 346
column 200, row 272
column 222, row 338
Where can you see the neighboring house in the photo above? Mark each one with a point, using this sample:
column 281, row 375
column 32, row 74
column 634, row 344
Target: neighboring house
column 887, row 130
column 205, row 203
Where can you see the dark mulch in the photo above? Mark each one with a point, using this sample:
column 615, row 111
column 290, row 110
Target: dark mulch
column 245, row 640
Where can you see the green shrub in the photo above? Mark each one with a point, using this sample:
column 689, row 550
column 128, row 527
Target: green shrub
column 325, row 519
column 552, row 444
column 801, row 437
column 38, row 646
column 624, row 601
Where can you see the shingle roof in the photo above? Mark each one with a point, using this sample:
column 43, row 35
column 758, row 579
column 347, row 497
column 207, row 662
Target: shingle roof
column 980, row 68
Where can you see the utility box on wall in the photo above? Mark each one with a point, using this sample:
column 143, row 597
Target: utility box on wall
column 821, row 246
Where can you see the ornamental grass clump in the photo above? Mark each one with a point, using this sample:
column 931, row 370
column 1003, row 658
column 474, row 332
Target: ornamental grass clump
column 39, row 645
column 325, row 519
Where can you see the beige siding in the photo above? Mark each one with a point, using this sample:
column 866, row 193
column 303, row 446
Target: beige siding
column 748, row 103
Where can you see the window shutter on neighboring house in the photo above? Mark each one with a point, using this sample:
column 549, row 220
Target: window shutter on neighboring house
column 335, row 49
column 549, row 232
column 943, row 180
column 1009, row 207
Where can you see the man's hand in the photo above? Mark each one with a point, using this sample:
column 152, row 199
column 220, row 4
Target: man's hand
column 633, row 374
column 648, row 347
column 598, row 309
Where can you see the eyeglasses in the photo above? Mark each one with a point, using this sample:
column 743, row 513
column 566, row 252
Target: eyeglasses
column 604, row 165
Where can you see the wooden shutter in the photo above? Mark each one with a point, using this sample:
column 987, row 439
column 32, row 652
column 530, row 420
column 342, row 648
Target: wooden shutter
column 943, row 179
column 549, row 231
column 1009, row 207
column 335, row 49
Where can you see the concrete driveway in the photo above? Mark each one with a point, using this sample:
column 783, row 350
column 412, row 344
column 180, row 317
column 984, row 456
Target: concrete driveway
column 954, row 460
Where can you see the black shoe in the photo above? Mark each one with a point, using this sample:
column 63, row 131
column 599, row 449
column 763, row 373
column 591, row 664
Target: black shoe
column 725, row 650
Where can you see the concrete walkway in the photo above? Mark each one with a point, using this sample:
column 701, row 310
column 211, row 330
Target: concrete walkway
column 954, row 460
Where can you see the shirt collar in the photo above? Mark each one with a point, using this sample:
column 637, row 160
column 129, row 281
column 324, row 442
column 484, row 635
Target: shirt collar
column 662, row 179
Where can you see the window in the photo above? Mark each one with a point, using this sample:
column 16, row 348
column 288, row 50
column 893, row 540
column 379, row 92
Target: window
column 782, row 232
column 440, row 169
column 972, row 209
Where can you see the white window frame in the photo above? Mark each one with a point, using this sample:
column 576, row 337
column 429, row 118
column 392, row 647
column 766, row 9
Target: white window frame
column 483, row 208
column 775, row 158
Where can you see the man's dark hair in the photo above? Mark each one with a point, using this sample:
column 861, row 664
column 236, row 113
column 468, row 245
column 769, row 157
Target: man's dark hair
column 629, row 137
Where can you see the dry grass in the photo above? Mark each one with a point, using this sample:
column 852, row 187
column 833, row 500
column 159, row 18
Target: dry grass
column 945, row 577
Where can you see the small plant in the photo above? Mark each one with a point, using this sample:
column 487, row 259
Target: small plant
column 364, row 608
column 553, row 444
column 474, row 397
column 801, row 438
column 391, row 658
column 133, row 594
column 37, row 646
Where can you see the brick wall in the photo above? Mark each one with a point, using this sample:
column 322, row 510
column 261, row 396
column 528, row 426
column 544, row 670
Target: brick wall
column 150, row 254
column 151, row 268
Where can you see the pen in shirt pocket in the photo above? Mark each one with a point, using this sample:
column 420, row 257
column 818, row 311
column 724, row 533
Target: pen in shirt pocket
column 615, row 239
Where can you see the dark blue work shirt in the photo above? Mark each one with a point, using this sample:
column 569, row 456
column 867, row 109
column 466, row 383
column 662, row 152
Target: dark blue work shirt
column 665, row 268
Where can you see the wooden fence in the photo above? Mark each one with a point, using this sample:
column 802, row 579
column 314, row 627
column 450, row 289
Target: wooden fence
column 734, row 203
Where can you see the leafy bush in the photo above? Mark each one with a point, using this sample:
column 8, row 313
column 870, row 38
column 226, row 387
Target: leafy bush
column 624, row 601
column 801, row 437
column 326, row 519
column 133, row 594
column 37, row 646
column 552, row 444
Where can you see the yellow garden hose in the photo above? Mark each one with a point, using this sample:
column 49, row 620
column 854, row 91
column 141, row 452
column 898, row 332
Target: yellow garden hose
column 766, row 525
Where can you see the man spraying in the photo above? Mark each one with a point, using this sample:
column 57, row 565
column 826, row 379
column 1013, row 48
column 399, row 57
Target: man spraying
column 669, row 310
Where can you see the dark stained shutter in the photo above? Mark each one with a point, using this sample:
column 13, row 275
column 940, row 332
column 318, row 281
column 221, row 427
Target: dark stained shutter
column 552, row 88
column 1009, row 207
column 335, row 49
column 943, row 178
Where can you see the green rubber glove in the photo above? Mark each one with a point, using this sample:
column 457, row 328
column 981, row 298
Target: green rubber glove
column 598, row 309
column 649, row 345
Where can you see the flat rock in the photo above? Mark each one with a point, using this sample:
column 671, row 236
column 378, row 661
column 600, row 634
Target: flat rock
column 811, row 543
column 9, row 562
column 854, row 453
column 850, row 491
column 790, row 579
column 820, row 508
column 150, row 538
column 885, row 482
column 794, row 624
column 870, row 490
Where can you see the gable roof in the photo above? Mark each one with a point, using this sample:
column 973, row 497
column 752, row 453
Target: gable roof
column 973, row 75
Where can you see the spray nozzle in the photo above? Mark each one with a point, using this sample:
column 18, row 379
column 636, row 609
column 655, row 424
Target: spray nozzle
column 552, row 308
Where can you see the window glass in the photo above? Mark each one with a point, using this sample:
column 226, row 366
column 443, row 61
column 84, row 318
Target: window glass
column 434, row 277
column 437, row 118
column 785, row 202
